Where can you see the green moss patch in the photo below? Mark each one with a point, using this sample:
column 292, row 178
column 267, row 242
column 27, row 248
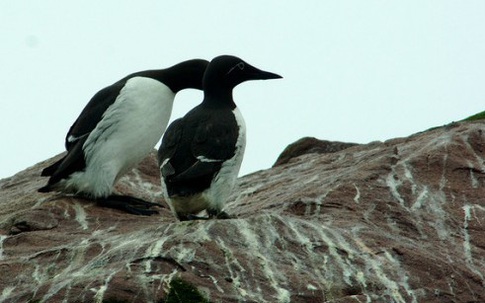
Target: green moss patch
column 184, row 292
column 478, row 116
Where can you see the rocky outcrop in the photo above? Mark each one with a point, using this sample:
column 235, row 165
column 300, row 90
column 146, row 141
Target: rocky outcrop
column 308, row 145
column 395, row 221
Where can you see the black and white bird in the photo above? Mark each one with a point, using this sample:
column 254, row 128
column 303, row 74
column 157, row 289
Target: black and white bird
column 201, row 153
column 119, row 127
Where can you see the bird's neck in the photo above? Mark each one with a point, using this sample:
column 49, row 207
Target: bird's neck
column 162, row 75
column 172, row 78
column 219, row 94
column 219, row 97
column 156, row 74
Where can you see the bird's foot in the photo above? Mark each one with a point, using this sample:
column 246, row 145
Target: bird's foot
column 214, row 214
column 190, row 217
column 129, row 204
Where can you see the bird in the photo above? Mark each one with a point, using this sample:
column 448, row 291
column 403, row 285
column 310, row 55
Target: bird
column 201, row 153
column 119, row 126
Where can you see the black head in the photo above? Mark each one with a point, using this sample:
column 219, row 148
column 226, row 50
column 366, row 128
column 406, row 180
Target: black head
column 226, row 72
column 187, row 74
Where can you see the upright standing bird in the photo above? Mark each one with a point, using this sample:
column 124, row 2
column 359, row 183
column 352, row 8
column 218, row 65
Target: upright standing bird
column 118, row 127
column 201, row 153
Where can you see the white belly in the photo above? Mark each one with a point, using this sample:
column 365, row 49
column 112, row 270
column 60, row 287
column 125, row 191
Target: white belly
column 128, row 131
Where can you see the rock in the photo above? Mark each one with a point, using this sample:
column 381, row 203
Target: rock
column 395, row 221
column 308, row 145
column 34, row 219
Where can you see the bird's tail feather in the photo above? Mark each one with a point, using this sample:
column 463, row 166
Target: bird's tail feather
column 50, row 170
column 45, row 189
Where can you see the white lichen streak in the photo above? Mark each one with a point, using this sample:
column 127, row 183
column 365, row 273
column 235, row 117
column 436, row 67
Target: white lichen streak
column 135, row 180
column 268, row 268
column 231, row 262
column 242, row 194
column 80, row 215
column 345, row 263
column 480, row 163
column 216, row 283
column 394, row 185
column 6, row 292
column 154, row 250
column 377, row 266
column 425, row 201
column 367, row 299
column 403, row 275
column 167, row 279
column 436, row 203
column 357, row 194
column 69, row 274
column 39, row 202
column 98, row 297
column 443, row 173
column 418, row 203
column 473, row 179
column 409, row 176
column 305, row 243
column 2, row 238
column 466, row 242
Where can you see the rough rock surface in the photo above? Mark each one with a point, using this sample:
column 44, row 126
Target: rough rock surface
column 395, row 221
column 308, row 145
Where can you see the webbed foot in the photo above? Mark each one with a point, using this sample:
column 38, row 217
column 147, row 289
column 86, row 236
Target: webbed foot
column 129, row 204
column 214, row 214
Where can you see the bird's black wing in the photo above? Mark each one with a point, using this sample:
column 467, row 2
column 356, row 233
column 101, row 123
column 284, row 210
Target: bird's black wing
column 74, row 161
column 93, row 113
column 215, row 139
column 87, row 121
column 204, row 143
column 168, row 147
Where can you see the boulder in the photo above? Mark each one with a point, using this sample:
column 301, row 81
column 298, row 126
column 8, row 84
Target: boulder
column 395, row 221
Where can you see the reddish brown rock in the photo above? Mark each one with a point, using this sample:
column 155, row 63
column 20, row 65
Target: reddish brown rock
column 309, row 145
column 398, row 221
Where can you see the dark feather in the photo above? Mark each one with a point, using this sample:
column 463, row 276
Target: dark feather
column 48, row 171
column 93, row 112
column 74, row 161
column 168, row 146
column 196, row 145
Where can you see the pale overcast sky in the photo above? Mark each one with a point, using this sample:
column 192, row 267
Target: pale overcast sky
column 354, row 71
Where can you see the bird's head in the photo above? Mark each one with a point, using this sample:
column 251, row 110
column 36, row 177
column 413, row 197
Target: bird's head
column 226, row 72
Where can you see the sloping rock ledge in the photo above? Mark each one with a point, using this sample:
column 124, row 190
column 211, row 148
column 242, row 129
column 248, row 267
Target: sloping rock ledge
column 395, row 221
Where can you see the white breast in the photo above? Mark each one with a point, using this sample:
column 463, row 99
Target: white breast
column 128, row 131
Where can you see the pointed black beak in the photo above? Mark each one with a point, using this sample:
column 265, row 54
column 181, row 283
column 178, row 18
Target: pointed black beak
column 268, row 75
column 254, row 73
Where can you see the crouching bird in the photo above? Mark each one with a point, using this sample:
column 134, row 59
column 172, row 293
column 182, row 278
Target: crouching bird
column 201, row 153
column 119, row 127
